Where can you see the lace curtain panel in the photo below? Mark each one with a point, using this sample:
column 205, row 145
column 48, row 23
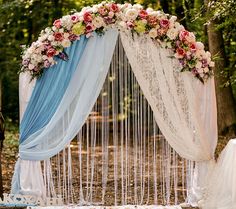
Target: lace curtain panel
column 184, row 108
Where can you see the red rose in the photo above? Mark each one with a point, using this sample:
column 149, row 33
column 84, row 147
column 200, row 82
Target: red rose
column 143, row 14
column 164, row 23
column 58, row 36
column 51, row 52
column 89, row 28
column 183, row 34
column 193, row 47
column 87, row 17
column 114, row 7
column 57, row 23
column 181, row 52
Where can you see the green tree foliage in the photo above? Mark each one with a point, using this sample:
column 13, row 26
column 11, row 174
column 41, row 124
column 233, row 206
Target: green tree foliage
column 22, row 21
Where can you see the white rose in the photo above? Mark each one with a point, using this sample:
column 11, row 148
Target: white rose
column 54, row 28
column 137, row 6
column 98, row 22
column 199, row 45
column 131, row 14
column 31, row 66
column 173, row 18
column 208, row 54
column 191, row 38
column 200, row 70
column 95, row 9
column 66, row 43
column 198, row 65
column 44, row 57
column 51, row 38
column 199, row 53
column 122, row 24
column 66, row 22
column 149, row 10
column 178, row 26
column 212, row 64
column 153, row 33
column 206, row 70
column 172, row 33
column 42, row 38
column 61, row 30
column 66, row 35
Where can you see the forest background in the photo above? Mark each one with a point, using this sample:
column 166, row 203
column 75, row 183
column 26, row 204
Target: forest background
column 213, row 22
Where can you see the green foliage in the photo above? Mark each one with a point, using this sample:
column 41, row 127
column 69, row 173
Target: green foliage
column 22, row 21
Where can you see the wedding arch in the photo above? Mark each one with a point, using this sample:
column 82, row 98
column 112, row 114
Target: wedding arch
column 70, row 61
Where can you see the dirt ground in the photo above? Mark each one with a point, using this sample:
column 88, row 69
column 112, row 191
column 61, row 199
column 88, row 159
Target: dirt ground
column 9, row 157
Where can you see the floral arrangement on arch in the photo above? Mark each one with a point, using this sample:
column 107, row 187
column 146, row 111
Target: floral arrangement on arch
column 159, row 26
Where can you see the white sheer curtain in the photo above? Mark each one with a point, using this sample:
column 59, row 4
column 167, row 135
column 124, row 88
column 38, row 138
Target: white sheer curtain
column 26, row 87
column 184, row 108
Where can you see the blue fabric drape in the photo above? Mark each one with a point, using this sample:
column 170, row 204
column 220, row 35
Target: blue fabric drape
column 49, row 90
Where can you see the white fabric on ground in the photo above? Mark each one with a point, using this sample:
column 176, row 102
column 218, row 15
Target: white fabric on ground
column 110, row 207
column 221, row 193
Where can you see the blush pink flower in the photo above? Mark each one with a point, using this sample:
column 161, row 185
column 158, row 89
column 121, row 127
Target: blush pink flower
column 103, row 11
column 51, row 52
column 88, row 17
column 143, row 14
column 58, row 36
column 152, row 21
column 74, row 18
column 183, row 35
column 57, row 23
column 114, row 7
column 164, row 23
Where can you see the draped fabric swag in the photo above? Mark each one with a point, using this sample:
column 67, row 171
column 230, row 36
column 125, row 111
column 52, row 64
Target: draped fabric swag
column 184, row 108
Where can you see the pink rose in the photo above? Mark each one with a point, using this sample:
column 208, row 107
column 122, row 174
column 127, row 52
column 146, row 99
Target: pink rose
column 143, row 14
column 114, row 7
column 181, row 52
column 58, row 36
column 103, row 11
column 183, row 35
column 72, row 37
column 51, row 52
column 57, row 23
column 161, row 31
column 164, row 23
column 130, row 24
column 88, row 17
column 74, row 18
column 89, row 28
column 152, row 21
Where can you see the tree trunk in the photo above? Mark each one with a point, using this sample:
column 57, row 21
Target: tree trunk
column 225, row 101
column 1, row 138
